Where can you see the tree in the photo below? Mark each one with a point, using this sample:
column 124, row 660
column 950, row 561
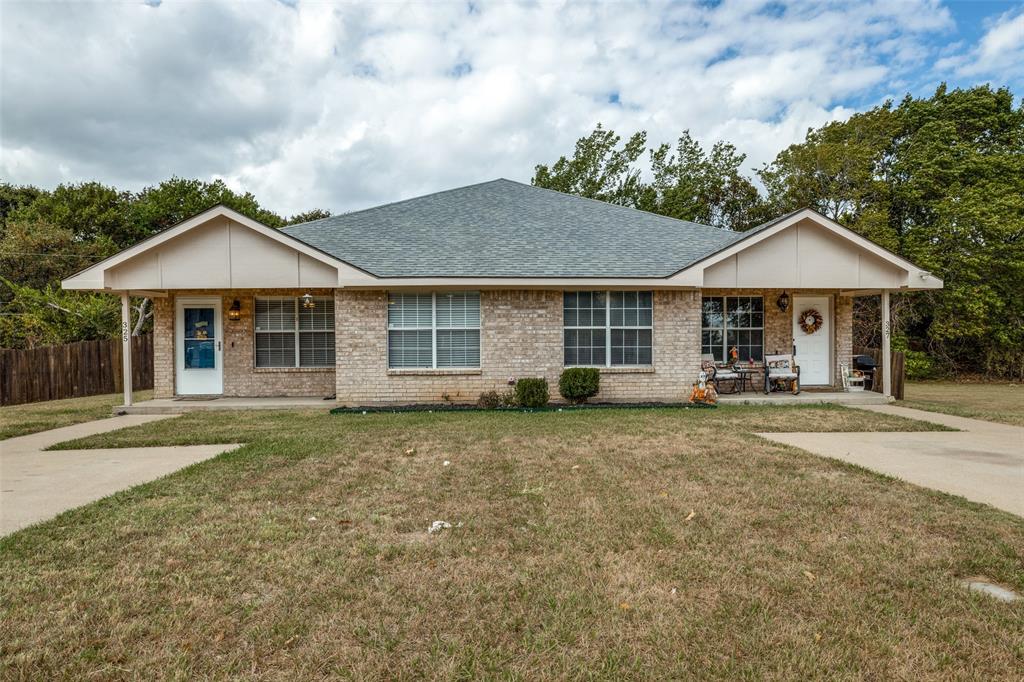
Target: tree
column 87, row 210
column 36, row 253
column 178, row 199
column 688, row 184
column 703, row 188
column 598, row 169
column 308, row 216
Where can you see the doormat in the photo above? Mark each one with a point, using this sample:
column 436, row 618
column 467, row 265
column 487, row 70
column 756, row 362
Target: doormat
column 190, row 398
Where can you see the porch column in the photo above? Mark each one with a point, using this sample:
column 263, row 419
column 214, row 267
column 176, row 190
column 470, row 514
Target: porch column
column 126, row 347
column 886, row 354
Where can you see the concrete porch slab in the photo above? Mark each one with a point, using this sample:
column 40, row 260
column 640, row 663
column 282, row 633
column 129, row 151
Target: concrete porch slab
column 804, row 398
column 178, row 406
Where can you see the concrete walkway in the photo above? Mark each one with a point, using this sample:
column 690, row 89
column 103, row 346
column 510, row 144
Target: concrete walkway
column 983, row 462
column 36, row 485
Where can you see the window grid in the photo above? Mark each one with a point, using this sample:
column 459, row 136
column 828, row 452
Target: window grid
column 728, row 321
column 286, row 334
column 608, row 328
column 434, row 331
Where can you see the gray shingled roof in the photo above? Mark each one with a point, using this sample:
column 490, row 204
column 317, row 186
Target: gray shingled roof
column 507, row 229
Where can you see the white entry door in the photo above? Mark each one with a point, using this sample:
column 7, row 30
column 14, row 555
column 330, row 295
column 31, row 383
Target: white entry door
column 814, row 350
column 199, row 347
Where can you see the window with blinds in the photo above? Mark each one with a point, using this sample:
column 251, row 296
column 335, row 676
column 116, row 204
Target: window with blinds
column 290, row 335
column 440, row 330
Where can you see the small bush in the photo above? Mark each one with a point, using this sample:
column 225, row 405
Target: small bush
column 489, row 400
column 576, row 384
column 532, row 392
column 920, row 365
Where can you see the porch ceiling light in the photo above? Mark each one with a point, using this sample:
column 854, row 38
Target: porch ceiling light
column 307, row 301
column 783, row 301
column 235, row 311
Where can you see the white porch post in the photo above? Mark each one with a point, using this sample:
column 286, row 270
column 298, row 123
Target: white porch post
column 886, row 354
column 126, row 347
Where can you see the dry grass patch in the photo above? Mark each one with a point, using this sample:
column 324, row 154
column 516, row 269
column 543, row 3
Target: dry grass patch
column 606, row 544
column 993, row 402
column 19, row 420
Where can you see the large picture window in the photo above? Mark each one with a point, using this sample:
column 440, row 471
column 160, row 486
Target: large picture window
column 608, row 328
column 440, row 330
column 733, row 322
column 289, row 334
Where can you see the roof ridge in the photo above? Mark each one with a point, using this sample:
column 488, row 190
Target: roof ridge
column 400, row 201
column 628, row 208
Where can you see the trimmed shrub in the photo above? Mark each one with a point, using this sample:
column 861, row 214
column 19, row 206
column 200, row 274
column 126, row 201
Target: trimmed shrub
column 532, row 392
column 576, row 384
column 489, row 400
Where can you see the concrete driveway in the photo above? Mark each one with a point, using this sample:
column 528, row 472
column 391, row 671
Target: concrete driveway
column 36, row 485
column 983, row 461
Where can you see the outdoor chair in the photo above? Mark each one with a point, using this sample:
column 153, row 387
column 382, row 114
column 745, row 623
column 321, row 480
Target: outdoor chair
column 853, row 380
column 781, row 370
column 717, row 374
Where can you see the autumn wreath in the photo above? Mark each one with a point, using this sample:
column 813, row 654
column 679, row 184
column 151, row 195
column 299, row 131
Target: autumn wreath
column 810, row 321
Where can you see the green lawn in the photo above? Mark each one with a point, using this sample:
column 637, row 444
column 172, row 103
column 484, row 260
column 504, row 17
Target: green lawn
column 609, row 544
column 18, row 420
column 993, row 402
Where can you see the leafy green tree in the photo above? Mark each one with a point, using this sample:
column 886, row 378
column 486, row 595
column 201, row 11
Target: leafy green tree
column 178, row 199
column 88, row 210
column 598, row 169
column 36, row 253
column 308, row 216
column 14, row 198
column 42, row 317
column 703, row 188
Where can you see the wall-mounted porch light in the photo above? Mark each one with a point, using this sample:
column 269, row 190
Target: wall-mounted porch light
column 235, row 311
column 307, row 301
column 783, row 301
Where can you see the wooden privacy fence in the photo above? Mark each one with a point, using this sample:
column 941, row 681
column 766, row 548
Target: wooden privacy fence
column 899, row 370
column 72, row 370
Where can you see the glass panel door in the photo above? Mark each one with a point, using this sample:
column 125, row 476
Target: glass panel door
column 200, row 338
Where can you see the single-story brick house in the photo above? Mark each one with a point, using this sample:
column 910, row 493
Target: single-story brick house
column 452, row 294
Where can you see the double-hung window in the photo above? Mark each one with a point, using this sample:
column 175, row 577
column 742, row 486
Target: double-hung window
column 608, row 328
column 440, row 330
column 733, row 322
column 289, row 334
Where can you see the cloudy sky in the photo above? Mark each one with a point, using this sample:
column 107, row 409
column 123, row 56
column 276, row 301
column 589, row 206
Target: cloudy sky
column 343, row 106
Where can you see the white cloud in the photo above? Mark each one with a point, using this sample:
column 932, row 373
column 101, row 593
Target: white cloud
column 345, row 106
column 1000, row 52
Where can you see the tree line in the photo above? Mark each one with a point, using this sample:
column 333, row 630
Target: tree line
column 938, row 180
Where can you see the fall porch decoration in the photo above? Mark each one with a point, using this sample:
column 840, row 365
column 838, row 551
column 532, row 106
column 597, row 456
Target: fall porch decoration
column 810, row 320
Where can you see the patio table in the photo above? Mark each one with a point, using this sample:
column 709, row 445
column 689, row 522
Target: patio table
column 747, row 377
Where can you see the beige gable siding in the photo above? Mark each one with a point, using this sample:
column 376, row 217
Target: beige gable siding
column 221, row 254
column 805, row 255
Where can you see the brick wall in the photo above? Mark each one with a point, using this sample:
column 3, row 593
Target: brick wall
column 241, row 377
column 521, row 336
column 778, row 325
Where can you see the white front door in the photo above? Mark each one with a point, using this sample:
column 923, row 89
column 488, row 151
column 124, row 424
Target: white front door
column 199, row 347
column 814, row 350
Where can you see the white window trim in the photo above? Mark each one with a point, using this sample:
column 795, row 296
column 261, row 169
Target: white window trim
column 297, row 300
column 433, row 334
column 725, row 329
column 608, row 326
